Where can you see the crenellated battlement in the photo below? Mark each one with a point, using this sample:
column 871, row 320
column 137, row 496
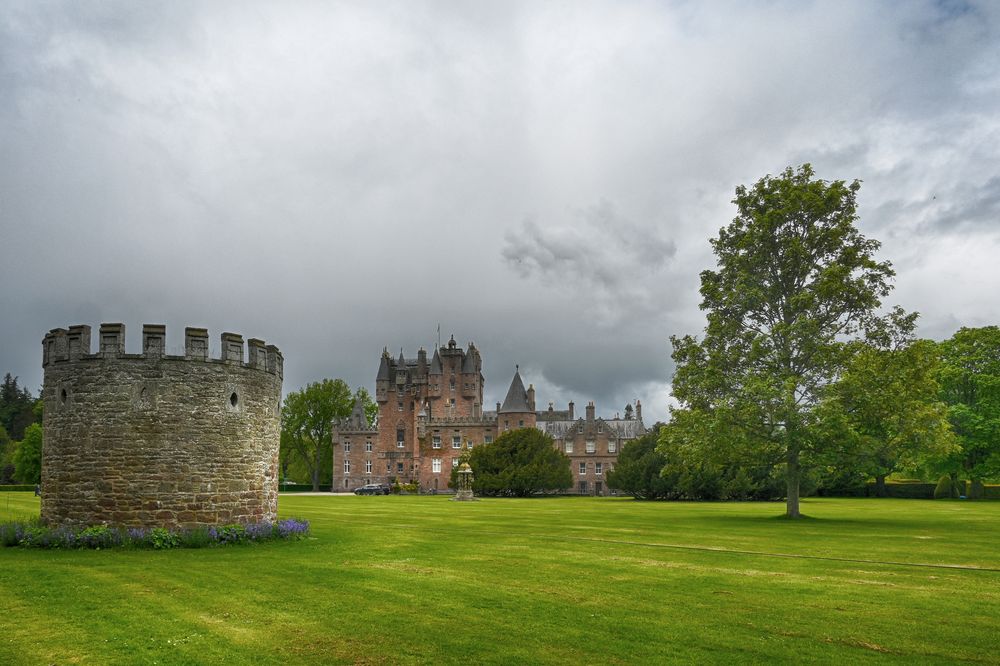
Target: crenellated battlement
column 62, row 345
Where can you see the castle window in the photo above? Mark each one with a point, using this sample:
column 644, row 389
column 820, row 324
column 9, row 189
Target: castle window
column 598, row 468
column 600, row 427
column 436, row 465
column 452, row 383
column 591, row 446
column 399, row 468
column 583, row 468
column 399, row 405
column 368, row 467
column 583, row 487
column 456, row 442
column 452, row 402
column 488, row 439
column 612, row 446
column 569, row 446
column 368, row 447
column 400, row 438
column 347, row 467
column 436, row 441
column 520, row 424
column 234, row 399
column 579, row 428
column 347, row 446
column 468, row 443
column 454, row 462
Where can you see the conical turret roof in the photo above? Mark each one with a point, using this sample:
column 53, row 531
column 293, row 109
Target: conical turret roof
column 383, row 367
column 517, row 398
column 436, row 368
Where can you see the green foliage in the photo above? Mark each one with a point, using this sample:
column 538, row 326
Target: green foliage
column 795, row 279
column 970, row 385
column 519, row 463
column 976, row 490
column 944, row 488
column 161, row 538
column 307, row 419
column 637, row 471
column 27, row 456
column 370, row 406
column 17, row 408
column 884, row 411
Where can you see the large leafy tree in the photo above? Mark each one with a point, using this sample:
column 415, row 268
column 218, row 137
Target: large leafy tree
column 28, row 455
column 885, row 408
column 519, row 463
column 795, row 278
column 970, row 385
column 307, row 420
column 639, row 467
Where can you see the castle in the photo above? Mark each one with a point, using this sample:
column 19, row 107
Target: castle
column 159, row 440
column 431, row 411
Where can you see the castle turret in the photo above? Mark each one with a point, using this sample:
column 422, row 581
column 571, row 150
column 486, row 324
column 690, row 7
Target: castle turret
column 638, row 410
column 571, row 405
column 516, row 410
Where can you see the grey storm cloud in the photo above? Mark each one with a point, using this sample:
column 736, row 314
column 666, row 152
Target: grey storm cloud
column 597, row 248
column 540, row 178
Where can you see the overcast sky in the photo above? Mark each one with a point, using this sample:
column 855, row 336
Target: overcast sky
column 541, row 178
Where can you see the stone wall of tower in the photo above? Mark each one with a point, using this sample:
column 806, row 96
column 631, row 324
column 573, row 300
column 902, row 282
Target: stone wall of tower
column 152, row 439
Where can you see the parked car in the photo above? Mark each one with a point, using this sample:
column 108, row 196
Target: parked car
column 373, row 489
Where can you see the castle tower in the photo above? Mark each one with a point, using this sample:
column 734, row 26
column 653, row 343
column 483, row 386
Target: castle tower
column 158, row 440
column 517, row 411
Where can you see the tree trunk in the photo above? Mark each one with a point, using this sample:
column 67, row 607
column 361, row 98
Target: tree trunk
column 792, row 475
column 880, row 490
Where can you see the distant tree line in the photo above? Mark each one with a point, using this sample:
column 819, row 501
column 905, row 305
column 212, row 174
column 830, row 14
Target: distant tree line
column 20, row 433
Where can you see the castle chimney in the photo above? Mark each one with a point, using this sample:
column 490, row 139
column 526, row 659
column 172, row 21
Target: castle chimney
column 571, row 410
column 531, row 397
column 638, row 410
column 590, row 410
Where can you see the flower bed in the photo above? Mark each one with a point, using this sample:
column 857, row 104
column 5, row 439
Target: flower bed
column 32, row 534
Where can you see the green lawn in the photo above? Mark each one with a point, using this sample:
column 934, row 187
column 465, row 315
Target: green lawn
column 564, row 580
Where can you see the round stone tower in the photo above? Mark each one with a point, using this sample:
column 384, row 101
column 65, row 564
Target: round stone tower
column 154, row 439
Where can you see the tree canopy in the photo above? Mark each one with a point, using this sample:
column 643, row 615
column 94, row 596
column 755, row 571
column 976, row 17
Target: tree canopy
column 28, row 455
column 795, row 279
column 885, row 408
column 970, row 385
column 639, row 467
column 307, row 421
column 519, row 463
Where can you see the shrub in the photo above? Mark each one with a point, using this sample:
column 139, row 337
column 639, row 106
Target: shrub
column 943, row 490
column 161, row 538
column 976, row 490
column 198, row 537
column 991, row 492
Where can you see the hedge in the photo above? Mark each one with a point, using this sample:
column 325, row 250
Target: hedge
column 15, row 487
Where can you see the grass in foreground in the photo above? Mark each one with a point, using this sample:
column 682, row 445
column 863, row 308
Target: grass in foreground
column 421, row 579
